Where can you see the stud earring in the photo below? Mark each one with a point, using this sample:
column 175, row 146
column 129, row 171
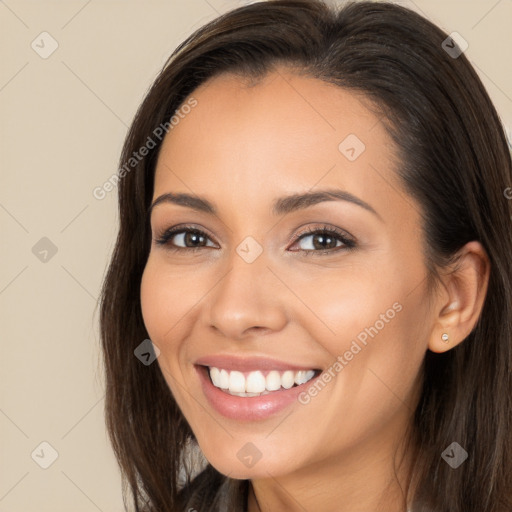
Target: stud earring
column 445, row 337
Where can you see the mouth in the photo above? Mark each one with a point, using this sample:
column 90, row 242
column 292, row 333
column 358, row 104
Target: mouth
column 252, row 389
column 259, row 382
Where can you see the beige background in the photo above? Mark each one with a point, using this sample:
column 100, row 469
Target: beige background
column 62, row 124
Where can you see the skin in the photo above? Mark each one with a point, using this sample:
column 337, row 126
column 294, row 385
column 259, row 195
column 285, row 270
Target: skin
column 241, row 147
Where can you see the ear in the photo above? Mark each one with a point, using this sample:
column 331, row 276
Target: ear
column 460, row 302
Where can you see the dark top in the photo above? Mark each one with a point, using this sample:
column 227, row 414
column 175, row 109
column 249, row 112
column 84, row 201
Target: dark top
column 210, row 491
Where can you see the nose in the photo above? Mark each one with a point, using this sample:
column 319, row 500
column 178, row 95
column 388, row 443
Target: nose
column 248, row 300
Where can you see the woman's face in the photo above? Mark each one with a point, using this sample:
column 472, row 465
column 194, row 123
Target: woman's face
column 268, row 302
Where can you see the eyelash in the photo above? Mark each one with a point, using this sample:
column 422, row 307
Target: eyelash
column 349, row 243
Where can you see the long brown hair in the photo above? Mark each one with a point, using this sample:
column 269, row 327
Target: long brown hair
column 454, row 160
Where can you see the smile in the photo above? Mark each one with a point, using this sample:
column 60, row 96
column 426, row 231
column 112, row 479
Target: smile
column 259, row 382
column 252, row 388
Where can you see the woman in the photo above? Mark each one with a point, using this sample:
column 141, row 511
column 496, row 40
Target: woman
column 315, row 237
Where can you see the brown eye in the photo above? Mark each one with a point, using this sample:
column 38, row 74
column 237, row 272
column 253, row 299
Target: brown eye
column 183, row 238
column 323, row 241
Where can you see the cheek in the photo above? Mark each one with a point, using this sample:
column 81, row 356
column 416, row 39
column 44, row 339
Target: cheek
column 383, row 373
column 150, row 300
column 360, row 304
column 377, row 327
column 341, row 304
column 160, row 312
column 167, row 305
column 160, row 304
column 169, row 293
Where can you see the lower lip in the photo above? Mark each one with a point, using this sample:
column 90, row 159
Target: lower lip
column 248, row 408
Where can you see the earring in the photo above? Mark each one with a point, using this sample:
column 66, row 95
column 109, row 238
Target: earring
column 445, row 337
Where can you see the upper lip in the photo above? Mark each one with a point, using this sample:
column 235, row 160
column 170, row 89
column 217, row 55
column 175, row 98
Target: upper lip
column 249, row 364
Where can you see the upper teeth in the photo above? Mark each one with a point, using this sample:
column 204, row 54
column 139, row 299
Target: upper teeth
column 255, row 382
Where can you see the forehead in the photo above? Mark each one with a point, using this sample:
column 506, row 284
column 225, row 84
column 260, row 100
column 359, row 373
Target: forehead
column 284, row 132
column 305, row 107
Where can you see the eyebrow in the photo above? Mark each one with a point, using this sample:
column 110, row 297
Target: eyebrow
column 280, row 206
